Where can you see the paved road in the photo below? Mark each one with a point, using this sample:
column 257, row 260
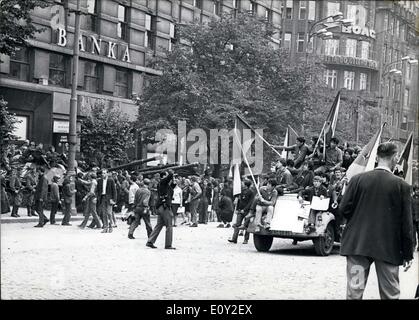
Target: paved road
column 59, row 262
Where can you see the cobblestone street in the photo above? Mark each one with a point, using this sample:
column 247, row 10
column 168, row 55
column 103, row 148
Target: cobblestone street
column 59, row 262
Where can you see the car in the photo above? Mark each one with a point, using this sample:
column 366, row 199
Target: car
column 289, row 222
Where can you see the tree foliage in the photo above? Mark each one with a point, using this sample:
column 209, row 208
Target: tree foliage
column 7, row 125
column 225, row 67
column 106, row 135
column 16, row 24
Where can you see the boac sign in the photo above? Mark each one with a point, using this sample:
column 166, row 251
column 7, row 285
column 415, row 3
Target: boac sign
column 358, row 30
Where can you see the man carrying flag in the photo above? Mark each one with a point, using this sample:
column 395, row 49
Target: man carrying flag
column 300, row 149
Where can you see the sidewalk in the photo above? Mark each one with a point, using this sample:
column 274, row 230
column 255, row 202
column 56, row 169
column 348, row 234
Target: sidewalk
column 6, row 218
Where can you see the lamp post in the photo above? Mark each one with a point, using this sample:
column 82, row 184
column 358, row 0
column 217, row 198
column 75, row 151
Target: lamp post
column 73, row 104
column 324, row 34
column 391, row 69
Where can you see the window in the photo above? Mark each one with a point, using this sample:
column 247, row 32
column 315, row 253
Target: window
column 217, row 7
column 363, row 78
column 392, row 118
column 312, row 10
column 252, row 7
column 388, row 87
column 121, row 83
column 288, row 9
column 287, row 40
column 331, row 77
column 235, row 4
column 396, row 120
column 389, row 53
column 402, row 32
column 385, row 20
column 21, row 128
column 150, row 23
column 332, row 47
column 332, row 8
column 406, row 99
column 91, row 77
column 351, row 47
column 396, row 27
column 57, row 69
column 19, row 64
column 172, row 33
column 365, row 49
column 268, row 15
column 385, row 53
column 393, row 89
column 198, row 4
column 390, row 24
column 300, row 42
column 357, row 13
column 122, row 22
column 403, row 126
column 349, row 80
column 303, row 10
column 92, row 17
column 409, row 71
column 386, row 114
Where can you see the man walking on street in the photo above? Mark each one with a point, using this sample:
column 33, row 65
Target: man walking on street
column 55, row 198
column 379, row 229
column 40, row 197
column 164, row 212
column 106, row 190
column 194, row 195
column 141, row 209
column 68, row 198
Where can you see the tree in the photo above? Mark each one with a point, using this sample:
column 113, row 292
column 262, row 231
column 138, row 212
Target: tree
column 106, row 135
column 7, row 125
column 16, row 23
column 225, row 67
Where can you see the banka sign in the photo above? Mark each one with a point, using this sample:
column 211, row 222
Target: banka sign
column 97, row 46
column 351, row 61
column 358, row 30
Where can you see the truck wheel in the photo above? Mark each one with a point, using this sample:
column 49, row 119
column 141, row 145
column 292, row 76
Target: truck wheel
column 324, row 245
column 262, row 243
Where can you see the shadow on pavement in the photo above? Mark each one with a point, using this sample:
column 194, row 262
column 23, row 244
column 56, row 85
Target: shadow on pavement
column 302, row 251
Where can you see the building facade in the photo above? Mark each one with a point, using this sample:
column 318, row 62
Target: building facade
column 383, row 37
column 118, row 40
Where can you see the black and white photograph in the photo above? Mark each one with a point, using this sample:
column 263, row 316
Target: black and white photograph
column 209, row 154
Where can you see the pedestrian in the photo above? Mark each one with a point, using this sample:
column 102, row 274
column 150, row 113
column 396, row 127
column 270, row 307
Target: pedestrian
column 106, row 190
column 163, row 207
column 177, row 201
column 132, row 190
column 28, row 191
column 194, row 198
column 204, row 202
column 15, row 187
column 185, row 201
column 141, row 207
column 54, row 198
column 215, row 201
column 226, row 209
column 90, row 204
column 379, row 230
column 67, row 199
column 243, row 207
column 415, row 213
column 40, row 197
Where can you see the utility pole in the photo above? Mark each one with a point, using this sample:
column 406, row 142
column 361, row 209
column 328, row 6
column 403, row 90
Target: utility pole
column 73, row 105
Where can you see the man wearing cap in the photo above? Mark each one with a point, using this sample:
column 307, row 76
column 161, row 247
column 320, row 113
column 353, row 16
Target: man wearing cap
column 379, row 229
column 141, row 209
column 164, row 212
column 55, row 198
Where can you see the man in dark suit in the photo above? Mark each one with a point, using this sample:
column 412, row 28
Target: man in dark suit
column 164, row 212
column 106, row 195
column 40, row 197
column 377, row 206
column 141, row 209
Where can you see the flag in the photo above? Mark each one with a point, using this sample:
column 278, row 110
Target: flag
column 284, row 153
column 237, row 183
column 405, row 161
column 365, row 161
column 331, row 120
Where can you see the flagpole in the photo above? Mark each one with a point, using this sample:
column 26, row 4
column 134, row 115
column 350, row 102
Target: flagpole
column 318, row 139
column 247, row 163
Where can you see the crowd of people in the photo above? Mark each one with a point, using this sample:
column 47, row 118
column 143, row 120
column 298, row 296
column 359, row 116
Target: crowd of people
column 194, row 199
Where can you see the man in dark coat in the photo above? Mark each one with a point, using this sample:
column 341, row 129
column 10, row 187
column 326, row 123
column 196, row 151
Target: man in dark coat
column 106, row 195
column 41, row 196
column 164, row 212
column 141, row 209
column 377, row 206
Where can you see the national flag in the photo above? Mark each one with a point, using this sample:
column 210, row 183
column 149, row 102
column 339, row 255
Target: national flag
column 284, row 153
column 290, row 139
column 365, row 161
column 331, row 120
column 405, row 161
